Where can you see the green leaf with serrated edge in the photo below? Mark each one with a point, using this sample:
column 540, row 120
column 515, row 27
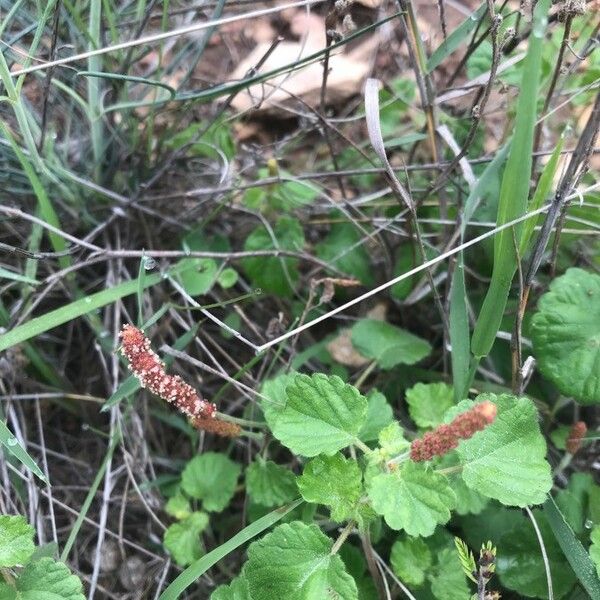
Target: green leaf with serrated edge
column 178, row 506
column 387, row 344
column 566, row 335
column 273, row 396
column 294, row 562
column 392, row 441
column 270, row 484
column 506, row 461
column 448, row 581
column 198, row 568
column 412, row 498
column 182, row 539
column 427, row 403
column 410, row 559
column 16, row 541
column 45, row 579
column 236, row 590
column 379, row 415
column 212, row 478
column 334, row 481
column 468, row 501
column 595, row 548
column 274, row 274
column 322, row 415
column 520, row 564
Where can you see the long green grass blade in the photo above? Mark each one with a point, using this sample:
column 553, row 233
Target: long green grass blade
column 459, row 320
column 514, row 191
column 455, row 39
column 7, row 274
column 197, row 569
column 47, row 211
column 572, row 548
column 10, row 442
column 541, row 193
column 75, row 309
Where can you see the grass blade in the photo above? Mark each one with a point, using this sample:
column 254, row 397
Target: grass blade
column 541, row 192
column 197, row 569
column 512, row 203
column 459, row 321
column 455, row 39
column 10, row 442
column 75, row 309
column 572, row 548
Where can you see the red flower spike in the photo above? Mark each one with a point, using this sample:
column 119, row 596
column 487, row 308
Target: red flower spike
column 150, row 370
column 445, row 438
column 576, row 435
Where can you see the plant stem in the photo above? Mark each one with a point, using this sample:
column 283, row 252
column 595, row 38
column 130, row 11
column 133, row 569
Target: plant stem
column 343, row 536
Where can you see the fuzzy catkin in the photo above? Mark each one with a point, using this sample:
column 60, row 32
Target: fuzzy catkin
column 576, row 435
column 445, row 438
column 150, row 370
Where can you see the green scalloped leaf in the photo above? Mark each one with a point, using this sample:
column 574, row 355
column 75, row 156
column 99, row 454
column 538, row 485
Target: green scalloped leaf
column 427, row 403
column 412, row 498
column 322, row 415
column 16, row 540
column 44, row 579
column 566, row 335
column 236, row 590
column 333, row 481
column 410, row 559
column 387, row 344
column 270, row 484
column 294, row 562
column 212, row 478
column 182, row 539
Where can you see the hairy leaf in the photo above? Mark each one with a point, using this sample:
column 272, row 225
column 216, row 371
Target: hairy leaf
column 506, row 460
column 427, row 403
column 334, row 481
column 410, row 559
column 387, row 344
column 211, row 477
column 182, row 539
column 270, row 484
column 322, row 415
column 294, row 562
column 566, row 335
column 412, row 498
column 16, row 541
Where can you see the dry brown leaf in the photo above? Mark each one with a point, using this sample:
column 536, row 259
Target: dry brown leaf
column 347, row 70
column 343, row 352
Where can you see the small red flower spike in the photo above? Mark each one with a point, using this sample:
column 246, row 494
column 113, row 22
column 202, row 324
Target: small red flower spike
column 145, row 364
column 445, row 438
column 576, row 435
